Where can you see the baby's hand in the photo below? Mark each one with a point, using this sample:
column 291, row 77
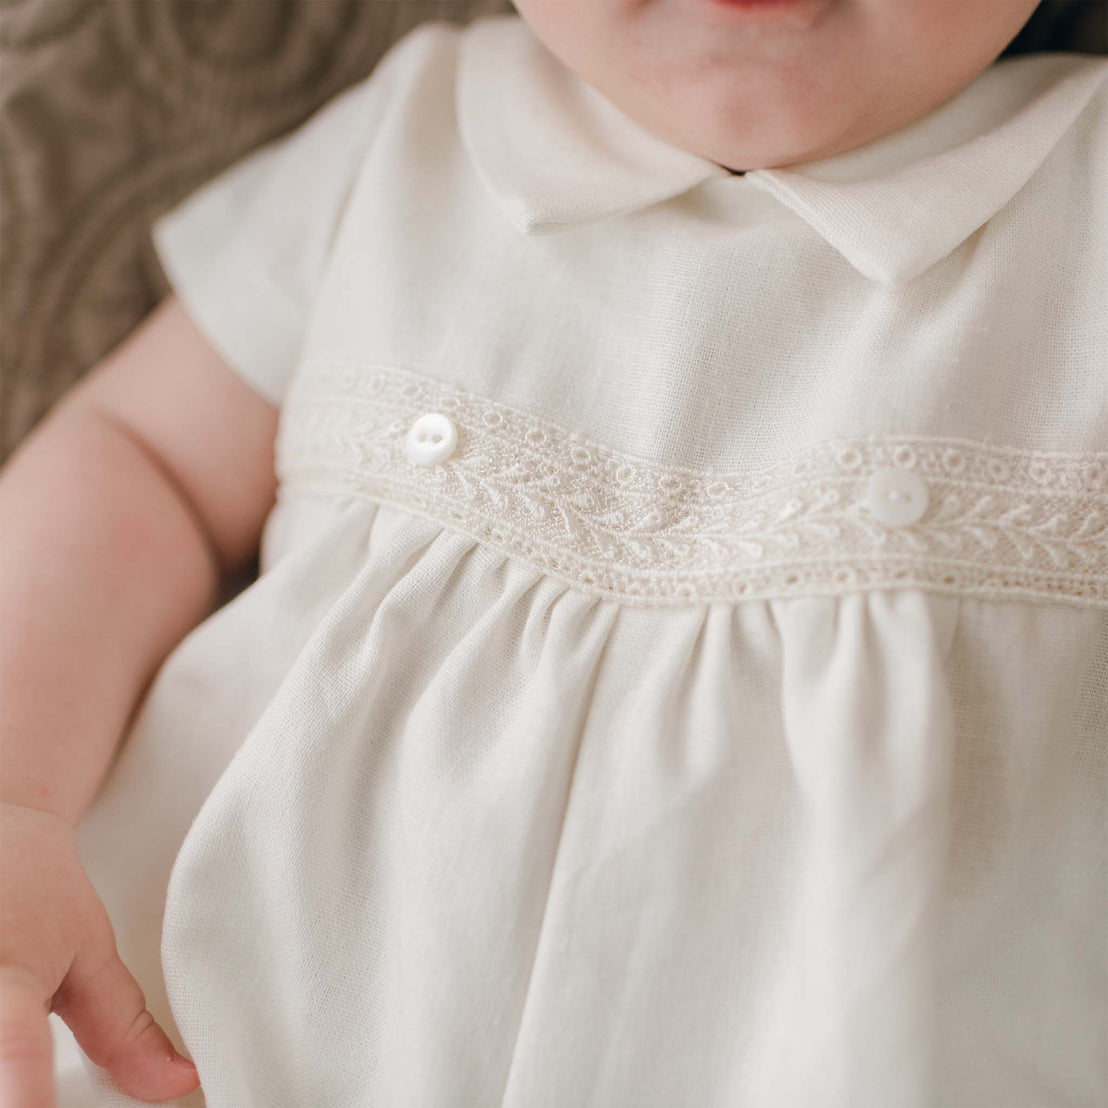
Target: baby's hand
column 57, row 953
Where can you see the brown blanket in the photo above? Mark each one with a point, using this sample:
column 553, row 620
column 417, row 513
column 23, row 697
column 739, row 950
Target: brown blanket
column 110, row 112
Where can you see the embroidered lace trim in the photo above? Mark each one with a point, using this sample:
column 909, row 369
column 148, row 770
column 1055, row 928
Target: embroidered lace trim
column 999, row 522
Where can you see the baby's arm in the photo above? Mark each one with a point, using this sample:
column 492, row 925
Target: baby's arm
column 146, row 484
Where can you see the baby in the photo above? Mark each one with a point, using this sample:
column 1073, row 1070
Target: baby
column 675, row 438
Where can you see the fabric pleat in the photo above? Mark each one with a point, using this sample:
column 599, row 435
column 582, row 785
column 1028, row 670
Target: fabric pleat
column 869, row 728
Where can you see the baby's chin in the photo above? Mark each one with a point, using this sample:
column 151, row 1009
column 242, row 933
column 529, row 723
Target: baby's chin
column 751, row 100
column 756, row 149
column 775, row 150
column 755, row 113
column 751, row 133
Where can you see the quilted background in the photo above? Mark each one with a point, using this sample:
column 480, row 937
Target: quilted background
column 110, row 112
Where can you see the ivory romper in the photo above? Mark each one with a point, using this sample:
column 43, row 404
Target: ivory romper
column 678, row 671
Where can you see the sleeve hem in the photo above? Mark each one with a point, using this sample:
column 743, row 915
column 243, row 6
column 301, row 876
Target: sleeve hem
column 226, row 290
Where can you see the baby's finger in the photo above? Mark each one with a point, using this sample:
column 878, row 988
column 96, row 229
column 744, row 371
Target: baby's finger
column 106, row 1011
column 26, row 1045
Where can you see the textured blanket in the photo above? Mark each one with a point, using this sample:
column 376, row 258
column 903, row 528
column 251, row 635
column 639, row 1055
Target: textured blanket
column 110, row 112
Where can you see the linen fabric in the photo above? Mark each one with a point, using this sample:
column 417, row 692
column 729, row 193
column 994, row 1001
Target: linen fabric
column 641, row 752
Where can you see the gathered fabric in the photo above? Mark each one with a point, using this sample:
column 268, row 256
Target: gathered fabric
column 587, row 853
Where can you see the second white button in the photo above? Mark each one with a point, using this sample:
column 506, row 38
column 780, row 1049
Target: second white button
column 897, row 497
column 431, row 439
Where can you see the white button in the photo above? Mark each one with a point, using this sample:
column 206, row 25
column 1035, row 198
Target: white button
column 431, row 439
column 896, row 497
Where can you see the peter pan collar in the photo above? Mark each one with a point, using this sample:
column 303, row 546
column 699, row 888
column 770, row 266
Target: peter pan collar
column 555, row 153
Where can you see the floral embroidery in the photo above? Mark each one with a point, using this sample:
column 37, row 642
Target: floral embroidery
column 999, row 522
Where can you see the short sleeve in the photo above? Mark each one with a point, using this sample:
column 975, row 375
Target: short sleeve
column 246, row 252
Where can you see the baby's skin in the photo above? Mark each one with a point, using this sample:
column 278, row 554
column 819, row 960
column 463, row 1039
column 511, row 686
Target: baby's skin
column 120, row 522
